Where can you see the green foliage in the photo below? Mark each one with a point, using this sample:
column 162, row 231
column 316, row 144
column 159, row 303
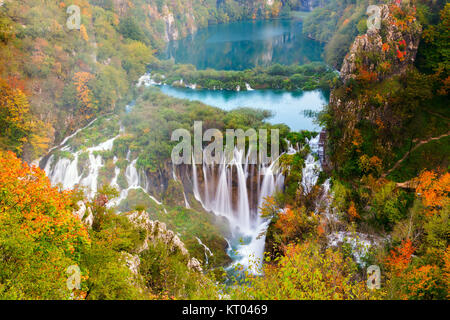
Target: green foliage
column 27, row 271
column 305, row 77
column 305, row 273
column 336, row 23
column 167, row 274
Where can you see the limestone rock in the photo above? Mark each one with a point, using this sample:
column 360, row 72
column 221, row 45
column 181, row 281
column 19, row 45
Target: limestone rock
column 157, row 230
column 84, row 213
column 195, row 265
column 132, row 261
column 395, row 44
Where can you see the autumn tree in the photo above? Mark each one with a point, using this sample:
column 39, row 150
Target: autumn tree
column 84, row 94
column 15, row 118
column 410, row 280
column 433, row 190
column 305, row 273
column 39, row 235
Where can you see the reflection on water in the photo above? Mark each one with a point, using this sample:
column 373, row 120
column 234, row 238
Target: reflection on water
column 243, row 45
column 288, row 107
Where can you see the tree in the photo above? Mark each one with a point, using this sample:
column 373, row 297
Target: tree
column 84, row 94
column 15, row 118
column 434, row 190
column 411, row 281
column 39, row 235
column 305, row 273
column 84, row 34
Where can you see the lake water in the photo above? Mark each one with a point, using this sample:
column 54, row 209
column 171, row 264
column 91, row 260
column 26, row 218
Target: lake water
column 288, row 107
column 243, row 45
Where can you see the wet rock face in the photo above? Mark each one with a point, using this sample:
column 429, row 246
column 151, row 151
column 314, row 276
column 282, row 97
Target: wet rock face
column 386, row 51
column 171, row 32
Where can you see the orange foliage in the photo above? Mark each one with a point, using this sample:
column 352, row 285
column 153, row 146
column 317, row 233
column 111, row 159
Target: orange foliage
column 419, row 282
column 84, row 34
column 42, row 211
column 401, row 55
column 294, row 223
column 447, row 270
column 357, row 138
column 400, row 257
column 15, row 118
column 434, row 190
column 376, row 162
column 379, row 123
column 287, row 222
column 352, row 212
column 81, row 80
column 366, row 75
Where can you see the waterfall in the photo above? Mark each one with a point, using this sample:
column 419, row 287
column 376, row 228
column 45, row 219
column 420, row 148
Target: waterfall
column 228, row 191
column 208, row 252
column 195, row 181
column 131, row 175
column 312, row 166
column 248, row 87
column 65, row 171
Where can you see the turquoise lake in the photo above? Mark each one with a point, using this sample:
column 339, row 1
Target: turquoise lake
column 287, row 107
column 243, row 45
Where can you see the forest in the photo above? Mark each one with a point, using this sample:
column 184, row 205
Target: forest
column 70, row 99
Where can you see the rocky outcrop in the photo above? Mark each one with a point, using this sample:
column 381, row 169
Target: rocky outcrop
column 384, row 51
column 171, row 32
column 157, row 231
column 373, row 57
column 84, row 213
column 176, row 26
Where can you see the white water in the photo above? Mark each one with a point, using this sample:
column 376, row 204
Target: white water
column 312, row 167
column 247, row 86
column 228, row 190
column 65, row 172
column 208, row 252
column 234, row 190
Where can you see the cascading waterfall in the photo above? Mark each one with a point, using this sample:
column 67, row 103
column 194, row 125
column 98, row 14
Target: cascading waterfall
column 208, row 252
column 228, row 191
column 312, row 166
column 237, row 189
column 65, row 171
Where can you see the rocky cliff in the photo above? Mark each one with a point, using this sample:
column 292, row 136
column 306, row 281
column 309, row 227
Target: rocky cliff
column 387, row 50
column 375, row 74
